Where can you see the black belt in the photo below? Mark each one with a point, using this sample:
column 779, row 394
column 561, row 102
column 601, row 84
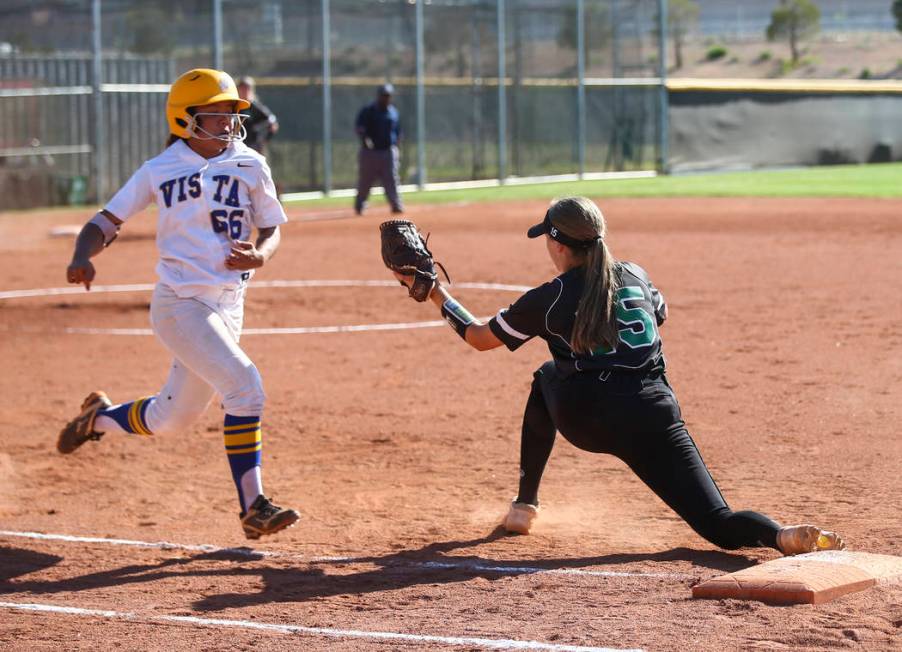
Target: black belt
column 650, row 373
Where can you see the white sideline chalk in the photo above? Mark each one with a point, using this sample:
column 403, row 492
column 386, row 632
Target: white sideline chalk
column 287, row 330
column 251, row 553
column 328, row 283
column 489, row 643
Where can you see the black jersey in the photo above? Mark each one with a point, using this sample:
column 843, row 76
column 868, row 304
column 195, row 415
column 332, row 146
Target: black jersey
column 549, row 312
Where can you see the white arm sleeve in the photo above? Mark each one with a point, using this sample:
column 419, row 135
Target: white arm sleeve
column 133, row 197
column 268, row 209
column 110, row 230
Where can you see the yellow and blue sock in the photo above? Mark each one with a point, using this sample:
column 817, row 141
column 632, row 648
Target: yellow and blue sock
column 243, row 443
column 128, row 417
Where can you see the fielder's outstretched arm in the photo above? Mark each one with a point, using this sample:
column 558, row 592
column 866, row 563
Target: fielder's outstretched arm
column 474, row 333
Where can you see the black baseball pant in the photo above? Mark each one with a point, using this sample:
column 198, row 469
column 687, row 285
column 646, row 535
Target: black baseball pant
column 637, row 419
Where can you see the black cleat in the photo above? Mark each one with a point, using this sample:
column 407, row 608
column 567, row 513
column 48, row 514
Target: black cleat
column 265, row 518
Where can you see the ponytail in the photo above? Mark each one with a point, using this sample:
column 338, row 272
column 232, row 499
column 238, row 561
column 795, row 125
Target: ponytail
column 596, row 323
column 580, row 222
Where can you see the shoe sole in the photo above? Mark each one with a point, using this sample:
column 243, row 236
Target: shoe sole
column 808, row 538
column 287, row 523
column 519, row 521
column 95, row 401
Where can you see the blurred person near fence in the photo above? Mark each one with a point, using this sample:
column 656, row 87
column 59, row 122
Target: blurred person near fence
column 261, row 123
column 378, row 126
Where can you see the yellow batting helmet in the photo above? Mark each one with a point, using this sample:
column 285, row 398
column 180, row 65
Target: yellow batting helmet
column 198, row 87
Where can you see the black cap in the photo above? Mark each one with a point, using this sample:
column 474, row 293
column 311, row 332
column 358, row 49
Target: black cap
column 546, row 226
column 386, row 89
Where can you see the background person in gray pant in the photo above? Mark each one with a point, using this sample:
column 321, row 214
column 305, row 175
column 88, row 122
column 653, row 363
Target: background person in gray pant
column 379, row 127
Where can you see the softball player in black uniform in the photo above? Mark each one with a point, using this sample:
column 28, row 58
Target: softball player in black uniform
column 606, row 390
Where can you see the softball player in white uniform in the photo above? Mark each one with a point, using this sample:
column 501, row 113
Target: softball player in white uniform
column 211, row 191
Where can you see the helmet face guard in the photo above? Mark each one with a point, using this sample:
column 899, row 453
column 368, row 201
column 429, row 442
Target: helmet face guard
column 236, row 132
column 198, row 88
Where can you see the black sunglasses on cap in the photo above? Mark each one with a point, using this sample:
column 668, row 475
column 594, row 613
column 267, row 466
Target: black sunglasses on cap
column 545, row 226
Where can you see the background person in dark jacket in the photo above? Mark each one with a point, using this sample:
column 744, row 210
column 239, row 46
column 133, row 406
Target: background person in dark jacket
column 378, row 126
column 261, row 123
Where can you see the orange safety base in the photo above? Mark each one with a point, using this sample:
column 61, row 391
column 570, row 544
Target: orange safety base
column 812, row 578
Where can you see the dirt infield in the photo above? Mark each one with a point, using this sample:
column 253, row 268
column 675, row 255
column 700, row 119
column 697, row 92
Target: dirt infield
column 400, row 446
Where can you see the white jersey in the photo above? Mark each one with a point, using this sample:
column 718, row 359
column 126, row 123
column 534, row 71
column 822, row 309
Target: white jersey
column 204, row 204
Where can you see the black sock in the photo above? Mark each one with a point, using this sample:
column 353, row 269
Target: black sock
column 536, row 442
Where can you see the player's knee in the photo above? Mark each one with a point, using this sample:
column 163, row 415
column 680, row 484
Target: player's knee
column 246, row 397
column 171, row 417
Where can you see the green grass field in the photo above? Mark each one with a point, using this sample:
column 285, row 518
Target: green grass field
column 874, row 181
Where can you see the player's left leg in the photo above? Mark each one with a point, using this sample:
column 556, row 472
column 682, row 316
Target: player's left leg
column 205, row 339
column 655, row 444
column 670, row 465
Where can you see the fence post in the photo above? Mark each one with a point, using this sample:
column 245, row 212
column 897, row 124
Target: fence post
column 581, row 84
column 96, row 81
column 663, row 163
column 502, row 94
column 327, row 98
column 421, row 100
column 217, row 34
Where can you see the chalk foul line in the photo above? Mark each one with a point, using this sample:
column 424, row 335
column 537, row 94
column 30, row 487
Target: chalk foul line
column 489, row 643
column 288, row 330
column 303, row 283
column 251, row 553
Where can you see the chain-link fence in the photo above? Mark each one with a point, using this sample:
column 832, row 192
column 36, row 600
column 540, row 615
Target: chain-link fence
column 740, row 19
column 487, row 89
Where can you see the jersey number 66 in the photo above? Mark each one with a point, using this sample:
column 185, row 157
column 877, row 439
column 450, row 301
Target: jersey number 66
column 223, row 221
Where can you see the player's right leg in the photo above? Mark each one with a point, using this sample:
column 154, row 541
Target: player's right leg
column 83, row 427
column 536, row 441
column 367, row 172
column 391, row 179
column 660, row 451
column 183, row 398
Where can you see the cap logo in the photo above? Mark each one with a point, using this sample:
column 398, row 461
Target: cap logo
column 553, row 232
column 223, row 84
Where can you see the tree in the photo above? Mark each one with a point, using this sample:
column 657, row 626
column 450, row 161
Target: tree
column 681, row 17
column 794, row 20
column 597, row 29
column 897, row 13
column 149, row 29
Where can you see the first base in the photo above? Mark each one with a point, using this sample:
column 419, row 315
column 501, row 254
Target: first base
column 812, row 578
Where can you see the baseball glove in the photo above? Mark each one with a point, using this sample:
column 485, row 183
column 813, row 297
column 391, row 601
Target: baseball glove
column 404, row 251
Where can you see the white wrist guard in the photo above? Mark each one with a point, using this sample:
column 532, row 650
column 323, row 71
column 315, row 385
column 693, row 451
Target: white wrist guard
column 106, row 226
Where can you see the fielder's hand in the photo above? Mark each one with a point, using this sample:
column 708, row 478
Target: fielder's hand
column 243, row 256
column 81, row 271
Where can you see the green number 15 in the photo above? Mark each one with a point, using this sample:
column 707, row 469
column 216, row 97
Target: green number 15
column 640, row 328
